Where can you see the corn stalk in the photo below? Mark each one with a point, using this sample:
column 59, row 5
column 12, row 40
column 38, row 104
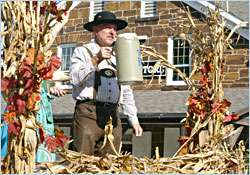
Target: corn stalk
column 24, row 33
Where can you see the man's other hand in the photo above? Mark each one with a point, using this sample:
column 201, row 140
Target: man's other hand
column 137, row 130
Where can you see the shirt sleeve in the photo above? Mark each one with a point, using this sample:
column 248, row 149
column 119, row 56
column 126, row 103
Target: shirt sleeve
column 128, row 104
column 81, row 67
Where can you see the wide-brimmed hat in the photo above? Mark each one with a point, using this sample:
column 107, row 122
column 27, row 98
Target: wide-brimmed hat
column 105, row 17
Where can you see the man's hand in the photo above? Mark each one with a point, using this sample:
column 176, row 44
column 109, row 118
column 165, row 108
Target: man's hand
column 104, row 53
column 137, row 129
column 57, row 91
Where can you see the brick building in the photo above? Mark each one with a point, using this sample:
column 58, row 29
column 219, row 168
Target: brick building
column 162, row 106
column 155, row 23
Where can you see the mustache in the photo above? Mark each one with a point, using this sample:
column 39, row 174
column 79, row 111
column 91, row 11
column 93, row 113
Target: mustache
column 112, row 36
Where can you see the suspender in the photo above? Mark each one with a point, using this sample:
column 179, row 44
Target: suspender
column 98, row 77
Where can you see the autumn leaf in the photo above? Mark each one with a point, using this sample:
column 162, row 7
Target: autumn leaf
column 30, row 56
column 53, row 10
column 32, row 100
column 41, row 134
column 30, row 103
column 226, row 103
column 215, row 107
column 47, row 70
column 230, row 117
column 7, row 83
column 54, row 62
column 4, row 83
column 25, row 70
column 17, row 102
column 29, row 86
column 50, row 143
column 14, row 127
column 40, row 57
column 21, row 104
column 12, row 107
column 182, row 140
column 47, row 73
column 42, row 66
column 9, row 116
column 58, row 140
column 204, row 80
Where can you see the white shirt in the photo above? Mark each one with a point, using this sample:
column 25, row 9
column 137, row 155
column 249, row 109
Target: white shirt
column 82, row 74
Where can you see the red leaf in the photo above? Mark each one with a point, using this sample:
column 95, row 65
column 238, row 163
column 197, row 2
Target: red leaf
column 12, row 108
column 54, row 62
column 4, row 83
column 215, row 107
column 194, row 100
column 50, row 143
column 230, row 117
column 40, row 57
column 14, row 127
column 47, row 73
column 204, row 80
column 7, row 83
column 53, row 11
column 59, row 140
column 25, row 70
column 226, row 103
column 20, row 103
column 47, row 70
column 29, row 87
column 42, row 135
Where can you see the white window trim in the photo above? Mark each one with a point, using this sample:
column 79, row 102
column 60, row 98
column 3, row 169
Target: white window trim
column 142, row 9
column 91, row 10
column 170, row 59
column 59, row 50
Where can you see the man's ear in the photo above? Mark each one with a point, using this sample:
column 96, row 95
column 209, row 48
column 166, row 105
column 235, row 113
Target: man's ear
column 95, row 29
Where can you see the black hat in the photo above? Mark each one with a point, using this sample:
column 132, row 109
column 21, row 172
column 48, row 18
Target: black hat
column 105, row 17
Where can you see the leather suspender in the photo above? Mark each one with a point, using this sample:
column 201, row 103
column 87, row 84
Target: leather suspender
column 98, row 78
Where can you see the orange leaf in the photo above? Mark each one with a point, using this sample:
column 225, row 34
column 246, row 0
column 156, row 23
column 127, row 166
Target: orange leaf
column 30, row 56
column 9, row 116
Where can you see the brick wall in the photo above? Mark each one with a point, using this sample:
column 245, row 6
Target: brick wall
column 158, row 29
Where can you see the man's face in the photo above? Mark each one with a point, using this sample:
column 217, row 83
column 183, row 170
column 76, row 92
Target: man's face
column 105, row 34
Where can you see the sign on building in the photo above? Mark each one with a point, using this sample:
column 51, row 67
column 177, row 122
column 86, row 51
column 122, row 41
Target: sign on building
column 148, row 69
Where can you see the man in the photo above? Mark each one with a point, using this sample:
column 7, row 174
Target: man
column 96, row 89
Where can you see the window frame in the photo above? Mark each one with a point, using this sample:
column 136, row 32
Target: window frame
column 59, row 51
column 59, row 54
column 170, row 59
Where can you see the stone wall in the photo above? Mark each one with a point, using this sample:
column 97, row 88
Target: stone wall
column 158, row 29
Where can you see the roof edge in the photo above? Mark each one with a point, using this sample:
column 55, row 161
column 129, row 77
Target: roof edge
column 230, row 19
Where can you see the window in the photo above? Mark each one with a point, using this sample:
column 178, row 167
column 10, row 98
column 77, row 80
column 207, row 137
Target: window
column 148, row 8
column 179, row 56
column 95, row 7
column 65, row 52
